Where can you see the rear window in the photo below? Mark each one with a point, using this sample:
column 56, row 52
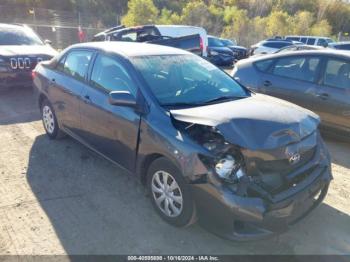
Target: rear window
column 263, row 65
column 311, row 41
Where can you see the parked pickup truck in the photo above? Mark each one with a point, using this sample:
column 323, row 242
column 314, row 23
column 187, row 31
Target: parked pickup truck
column 190, row 38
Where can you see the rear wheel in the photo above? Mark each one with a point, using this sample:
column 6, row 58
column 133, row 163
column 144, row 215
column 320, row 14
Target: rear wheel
column 50, row 121
column 170, row 194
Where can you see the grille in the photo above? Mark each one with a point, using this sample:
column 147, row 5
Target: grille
column 283, row 166
column 25, row 62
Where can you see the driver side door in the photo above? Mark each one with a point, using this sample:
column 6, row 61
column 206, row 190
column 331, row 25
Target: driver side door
column 109, row 129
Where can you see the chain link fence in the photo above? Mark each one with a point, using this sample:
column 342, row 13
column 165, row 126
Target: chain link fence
column 61, row 27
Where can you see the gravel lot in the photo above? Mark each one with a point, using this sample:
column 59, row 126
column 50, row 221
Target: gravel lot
column 57, row 197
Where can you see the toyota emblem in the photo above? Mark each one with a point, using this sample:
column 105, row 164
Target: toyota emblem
column 295, row 158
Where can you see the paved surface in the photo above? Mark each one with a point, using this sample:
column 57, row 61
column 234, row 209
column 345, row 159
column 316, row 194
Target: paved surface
column 57, row 197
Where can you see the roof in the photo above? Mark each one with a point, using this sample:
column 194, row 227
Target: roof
column 325, row 51
column 131, row 49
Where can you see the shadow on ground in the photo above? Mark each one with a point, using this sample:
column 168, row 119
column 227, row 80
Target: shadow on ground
column 18, row 105
column 96, row 208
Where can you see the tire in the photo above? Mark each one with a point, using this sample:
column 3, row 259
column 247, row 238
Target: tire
column 177, row 196
column 50, row 121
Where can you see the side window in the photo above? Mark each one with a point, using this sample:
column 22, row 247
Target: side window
column 300, row 68
column 109, row 75
column 311, row 41
column 264, row 65
column 322, row 42
column 77, row 63
column 337, row 74
column 303, row 40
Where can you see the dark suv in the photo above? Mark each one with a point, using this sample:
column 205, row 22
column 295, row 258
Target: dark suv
column 20, row 51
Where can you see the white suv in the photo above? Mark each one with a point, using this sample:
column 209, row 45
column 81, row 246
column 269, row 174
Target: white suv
column 310, row 40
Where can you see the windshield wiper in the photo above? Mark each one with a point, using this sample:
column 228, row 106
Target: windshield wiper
column 223, row 98
column 181, row 104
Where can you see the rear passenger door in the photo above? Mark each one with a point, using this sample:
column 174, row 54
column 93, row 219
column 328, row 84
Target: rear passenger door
column 67, row 84
column 292, row 78
column 333, row 95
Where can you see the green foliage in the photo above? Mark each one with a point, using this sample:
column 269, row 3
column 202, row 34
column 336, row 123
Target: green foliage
column 248, row 21
column 140, row 12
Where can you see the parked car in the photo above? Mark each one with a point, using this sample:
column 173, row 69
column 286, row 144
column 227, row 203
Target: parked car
column 299, row 48
column 20, row 50
column 246, row 165
column 240, row 52
column 340, row 45
column 310, row 40
column 268, row 47
column 218, row 53
column 318, row 80
column 190, row 38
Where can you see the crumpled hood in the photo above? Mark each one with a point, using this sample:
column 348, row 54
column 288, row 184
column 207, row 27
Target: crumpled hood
column 258, row 122
column 23, row 50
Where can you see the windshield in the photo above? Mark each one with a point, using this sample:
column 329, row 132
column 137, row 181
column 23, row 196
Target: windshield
column 25, row 36
column 186, row 80
column 215, row 42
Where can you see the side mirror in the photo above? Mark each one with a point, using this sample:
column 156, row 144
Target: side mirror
column 122, row 98
column 47, row 42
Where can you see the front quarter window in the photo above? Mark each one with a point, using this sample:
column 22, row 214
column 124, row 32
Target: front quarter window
column 186, row 80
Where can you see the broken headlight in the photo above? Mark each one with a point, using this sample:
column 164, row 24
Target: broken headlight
column 229, row 168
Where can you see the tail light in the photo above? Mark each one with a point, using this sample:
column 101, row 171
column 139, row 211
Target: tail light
column 34, row 74
column 201, row 45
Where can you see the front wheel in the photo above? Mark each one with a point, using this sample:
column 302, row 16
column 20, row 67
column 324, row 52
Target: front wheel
column 50, row 121
column 170, row 194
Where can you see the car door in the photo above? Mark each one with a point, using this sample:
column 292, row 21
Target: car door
column 111, row 130
column 292, row 78
column 333, row 95
column 67, row 82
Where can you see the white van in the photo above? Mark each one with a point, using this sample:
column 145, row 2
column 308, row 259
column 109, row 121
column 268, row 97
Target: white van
column 310, row 40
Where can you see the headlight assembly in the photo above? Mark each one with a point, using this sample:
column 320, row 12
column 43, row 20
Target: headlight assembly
column 229, row 169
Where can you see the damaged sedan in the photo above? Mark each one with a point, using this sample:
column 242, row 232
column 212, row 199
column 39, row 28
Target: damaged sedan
column 244, row 165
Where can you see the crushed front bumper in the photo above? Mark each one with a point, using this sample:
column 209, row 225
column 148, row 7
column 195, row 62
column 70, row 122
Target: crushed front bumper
column 243, row 218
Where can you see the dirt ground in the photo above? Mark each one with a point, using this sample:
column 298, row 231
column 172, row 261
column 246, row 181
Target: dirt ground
column 57, row 197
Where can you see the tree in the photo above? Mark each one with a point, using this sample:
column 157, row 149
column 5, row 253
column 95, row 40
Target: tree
column 321, row 28
column 237, row 23
column 302, row 22
column 278, row 23
column 140, row 12
column 168, row 18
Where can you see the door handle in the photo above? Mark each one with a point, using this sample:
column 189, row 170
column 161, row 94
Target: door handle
column 267, row 83
column 323, row 96
column 87, row 99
